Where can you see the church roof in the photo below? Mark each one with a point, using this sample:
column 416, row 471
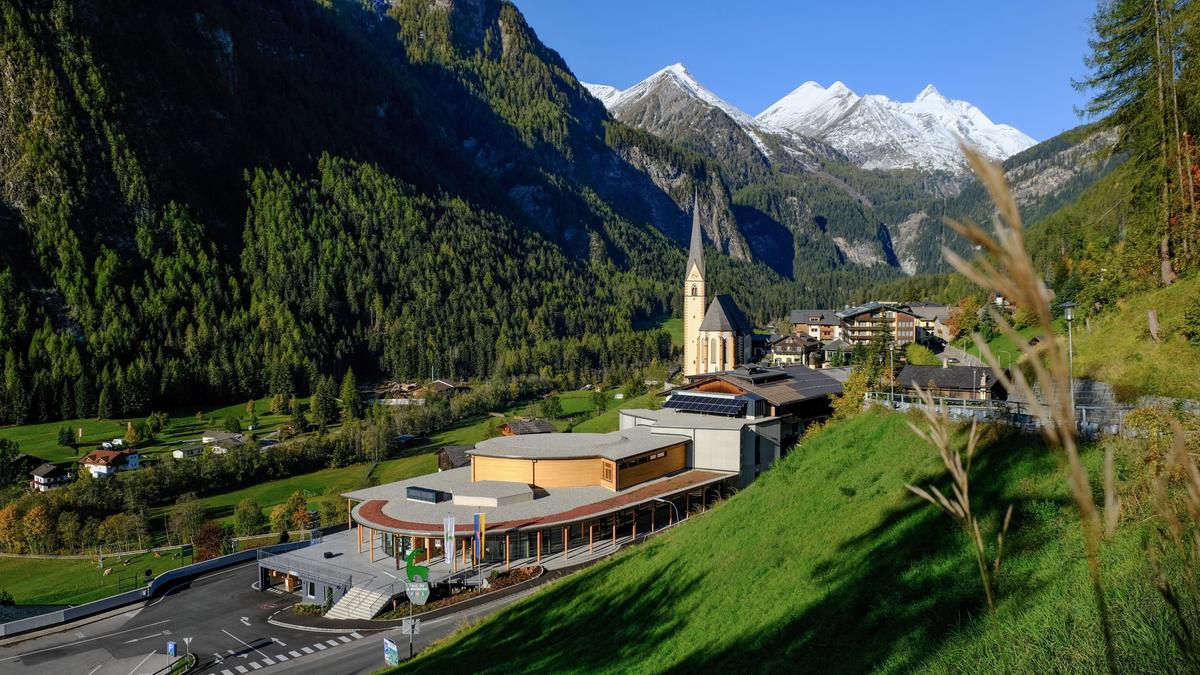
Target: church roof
column 723, row 315
column 696, row 251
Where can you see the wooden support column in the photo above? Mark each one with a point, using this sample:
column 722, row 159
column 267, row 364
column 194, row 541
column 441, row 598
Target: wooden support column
column 614, row 523
column 360, row 538
column 634, row 524
column 671, row 514
column 349, row 522
column 566, row 542
column 507, row 564
column 591, row 535
column 539, row 547
column 428, row 548
column 653, row 510
column 372, row 535
column 396, row 549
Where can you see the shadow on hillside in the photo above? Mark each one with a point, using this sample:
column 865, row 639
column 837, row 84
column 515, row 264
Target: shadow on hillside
column 621, row 626
column 895, row 593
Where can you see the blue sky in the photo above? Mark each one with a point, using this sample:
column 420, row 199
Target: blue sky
column 1015, row 59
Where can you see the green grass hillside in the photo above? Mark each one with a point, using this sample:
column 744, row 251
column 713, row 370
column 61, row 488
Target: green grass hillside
column 827, row 563
column 1118, row 348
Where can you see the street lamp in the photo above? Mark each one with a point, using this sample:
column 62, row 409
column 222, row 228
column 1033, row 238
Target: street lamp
column 660, row 499
column 892, row 375
column 1068, row 309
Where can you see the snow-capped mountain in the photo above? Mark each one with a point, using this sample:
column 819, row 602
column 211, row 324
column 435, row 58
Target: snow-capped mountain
column 672, row 104
column 879, row 133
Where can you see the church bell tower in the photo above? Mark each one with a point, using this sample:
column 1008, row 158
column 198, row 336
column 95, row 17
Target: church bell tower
column 694, row 294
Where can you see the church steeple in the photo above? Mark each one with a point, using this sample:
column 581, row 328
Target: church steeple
column 696, row 252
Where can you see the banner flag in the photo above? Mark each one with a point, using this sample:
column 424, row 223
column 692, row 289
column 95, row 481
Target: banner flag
column 448, row 539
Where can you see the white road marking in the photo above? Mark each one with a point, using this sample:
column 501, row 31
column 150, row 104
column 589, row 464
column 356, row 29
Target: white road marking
column 306, row 650
column 217, row 658
column 246, row 620
column 268, row 661
column 280, row 657
column 145, row 637
column 320, row 646
column 242, row 669
column 331, row 643
column 295, row 654
column 91, row 639
column 343, row 638
column 279, row 642
column 240, row 640
column 254, row 665
column 226, row 672
column 355, row 635
column 95, row 669
column 139, row 665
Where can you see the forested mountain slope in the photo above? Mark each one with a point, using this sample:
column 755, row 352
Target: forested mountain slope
column 213, row 199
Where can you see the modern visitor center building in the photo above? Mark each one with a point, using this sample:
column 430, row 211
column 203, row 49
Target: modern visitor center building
column 556, row 499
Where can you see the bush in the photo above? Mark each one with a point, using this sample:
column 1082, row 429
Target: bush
column 309, row 609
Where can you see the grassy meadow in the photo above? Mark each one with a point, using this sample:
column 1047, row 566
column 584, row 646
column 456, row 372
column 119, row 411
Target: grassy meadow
column 1117, row 347
column 41, row 440
column 33, row 581
column 827, row 563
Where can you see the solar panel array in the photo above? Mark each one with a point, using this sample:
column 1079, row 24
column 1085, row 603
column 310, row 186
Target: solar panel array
column 709, row 405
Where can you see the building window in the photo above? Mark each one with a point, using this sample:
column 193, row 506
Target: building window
column 312, row 590
column 694, row 290
column 608, row 472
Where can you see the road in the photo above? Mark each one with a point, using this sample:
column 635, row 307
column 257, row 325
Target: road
column 227, row 621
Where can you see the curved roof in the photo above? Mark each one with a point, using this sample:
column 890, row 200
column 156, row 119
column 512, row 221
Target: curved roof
column 613, row 445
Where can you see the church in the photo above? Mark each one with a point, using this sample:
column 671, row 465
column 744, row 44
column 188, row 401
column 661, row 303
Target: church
column 716, row 336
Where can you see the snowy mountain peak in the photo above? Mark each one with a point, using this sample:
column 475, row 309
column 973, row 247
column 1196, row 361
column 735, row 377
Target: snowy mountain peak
column 930, row 92
column 676, row 75
column 880, row 133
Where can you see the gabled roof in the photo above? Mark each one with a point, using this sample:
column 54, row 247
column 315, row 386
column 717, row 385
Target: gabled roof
column 820, row 317
column 46, row 470
column 779, row 386
column 723, row 315
column 949, row 377
column 838, row 345
column 696, row 250
column 107, row 457
column 927, row 310
column 456, row 455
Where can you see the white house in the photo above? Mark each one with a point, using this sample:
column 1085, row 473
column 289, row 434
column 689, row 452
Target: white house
column 108, row 462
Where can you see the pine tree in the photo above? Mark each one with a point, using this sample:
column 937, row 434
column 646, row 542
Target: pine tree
column 352, row 403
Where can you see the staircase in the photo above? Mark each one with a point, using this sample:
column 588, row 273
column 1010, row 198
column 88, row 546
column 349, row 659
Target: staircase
column 359, row 603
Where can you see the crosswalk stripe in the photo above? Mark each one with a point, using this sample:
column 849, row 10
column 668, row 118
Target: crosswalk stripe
column 267, row 661
column 343, row 638
column 241, row 669
column 295, row 654
column 331, row 643
column 355, row 635
column 255, row 665
column 306, row 650
column 318, row 645
column 227, row 672
column 280, row 657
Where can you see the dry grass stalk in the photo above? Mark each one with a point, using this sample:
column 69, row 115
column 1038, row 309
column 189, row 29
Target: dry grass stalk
column 958, row 506
column 1008, row 269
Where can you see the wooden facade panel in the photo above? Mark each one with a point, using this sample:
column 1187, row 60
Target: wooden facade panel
column 502, row 468
column 675, row 458
column 568, row 472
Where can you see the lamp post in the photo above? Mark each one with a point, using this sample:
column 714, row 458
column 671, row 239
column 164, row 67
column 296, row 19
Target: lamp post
column 892, row 375
column 1068, row 309
column 660, row 499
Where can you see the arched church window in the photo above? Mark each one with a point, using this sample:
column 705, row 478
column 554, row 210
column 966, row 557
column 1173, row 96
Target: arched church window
column 694, row 293
column 714, row 347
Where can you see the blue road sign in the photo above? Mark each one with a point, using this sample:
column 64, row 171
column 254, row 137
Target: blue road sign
column 172, row 649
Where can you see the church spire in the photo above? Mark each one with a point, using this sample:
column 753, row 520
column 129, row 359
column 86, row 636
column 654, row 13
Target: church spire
column 696, row 252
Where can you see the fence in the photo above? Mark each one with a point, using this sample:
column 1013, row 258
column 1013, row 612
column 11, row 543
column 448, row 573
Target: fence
column 1092, row 420
column 159, row 583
